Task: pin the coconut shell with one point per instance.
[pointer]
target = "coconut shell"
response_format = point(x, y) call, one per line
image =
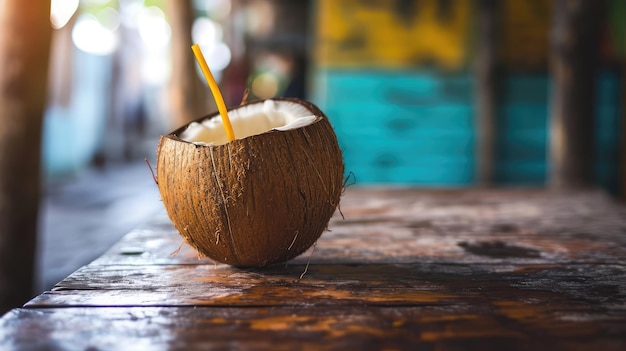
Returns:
point(254, 201)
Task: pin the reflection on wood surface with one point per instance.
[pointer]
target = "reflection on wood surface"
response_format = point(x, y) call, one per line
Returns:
point(514, 269)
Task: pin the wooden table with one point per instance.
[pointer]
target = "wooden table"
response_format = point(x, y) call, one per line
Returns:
point(405, 269)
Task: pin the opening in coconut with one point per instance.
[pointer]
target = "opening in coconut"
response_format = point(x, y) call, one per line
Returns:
point(247, 120)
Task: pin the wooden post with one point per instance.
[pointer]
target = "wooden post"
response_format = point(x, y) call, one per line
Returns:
point(25, 33)
point(486, 93)
point(574, 60)
point(189, 96)
point(622, 135)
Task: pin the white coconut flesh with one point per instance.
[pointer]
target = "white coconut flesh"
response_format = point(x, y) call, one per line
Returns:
point(248, 120)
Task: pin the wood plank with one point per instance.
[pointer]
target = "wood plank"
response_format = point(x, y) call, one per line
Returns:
point(422, 241)
point(405, 269)
point(507, 325)
point(396, 226)
point(562, 286)
point(394, 248)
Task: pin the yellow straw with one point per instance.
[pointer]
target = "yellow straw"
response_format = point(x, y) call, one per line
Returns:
point(215, 89)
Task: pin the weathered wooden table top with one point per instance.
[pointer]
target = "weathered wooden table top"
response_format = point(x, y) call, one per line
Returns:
point(405, 269)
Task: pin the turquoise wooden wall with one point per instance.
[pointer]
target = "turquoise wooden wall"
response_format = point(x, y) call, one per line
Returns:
point(396, 127)
point(522, 131)
point(417, 127)
point(607, 131)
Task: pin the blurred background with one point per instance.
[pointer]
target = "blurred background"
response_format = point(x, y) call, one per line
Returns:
point(397, 78)
point(425, 93)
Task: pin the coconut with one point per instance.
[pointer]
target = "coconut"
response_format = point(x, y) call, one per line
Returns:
point(260, 199)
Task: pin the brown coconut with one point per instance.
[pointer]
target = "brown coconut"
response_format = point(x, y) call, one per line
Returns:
point(254, 201)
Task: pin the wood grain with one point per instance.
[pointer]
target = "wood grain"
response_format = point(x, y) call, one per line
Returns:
point(399, 226)
point(405, 269)
point(325, 284)
point(511, 325)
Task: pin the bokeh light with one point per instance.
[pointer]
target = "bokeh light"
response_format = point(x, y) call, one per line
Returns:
point(209, 36)
point(91, 36)
point(153, 28)
point(130, 10)
point(61, 11)
point(265, 85)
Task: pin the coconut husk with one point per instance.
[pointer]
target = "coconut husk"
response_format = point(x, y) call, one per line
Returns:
point(254, 201)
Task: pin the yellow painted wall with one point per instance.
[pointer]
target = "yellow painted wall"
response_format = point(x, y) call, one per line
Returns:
point(353, 33)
